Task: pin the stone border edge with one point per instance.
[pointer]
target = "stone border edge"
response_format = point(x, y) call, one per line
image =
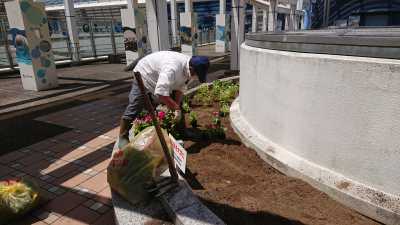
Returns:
point(373, 203)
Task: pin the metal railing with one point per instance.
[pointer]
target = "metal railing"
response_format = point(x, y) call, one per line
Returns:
point(97, 37)
point(205, 36)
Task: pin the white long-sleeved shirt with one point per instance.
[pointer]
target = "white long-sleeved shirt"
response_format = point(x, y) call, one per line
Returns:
point(165, 71)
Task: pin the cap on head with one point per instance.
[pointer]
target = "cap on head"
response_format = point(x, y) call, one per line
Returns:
point(200, 65)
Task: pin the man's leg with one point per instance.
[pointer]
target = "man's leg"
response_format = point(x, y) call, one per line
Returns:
point(132, 111)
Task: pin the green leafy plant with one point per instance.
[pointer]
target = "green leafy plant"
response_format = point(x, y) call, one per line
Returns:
point(224, 91)
point(203, 95)
point(224, 110)
point(193, 119)
point(215, 130)
point(228, 93)
point(216, 89)
point(185, 105)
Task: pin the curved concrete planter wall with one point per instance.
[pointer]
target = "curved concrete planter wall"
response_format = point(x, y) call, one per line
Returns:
point(333, 121)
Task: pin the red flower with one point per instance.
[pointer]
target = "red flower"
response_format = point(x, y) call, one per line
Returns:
point(161, 115)
point(215, 113)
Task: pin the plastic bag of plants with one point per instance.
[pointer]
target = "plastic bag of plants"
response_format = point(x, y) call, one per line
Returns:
point(137, 164)
point(17, 197)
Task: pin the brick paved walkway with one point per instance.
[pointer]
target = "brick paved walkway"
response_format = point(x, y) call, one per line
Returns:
point(71, 168)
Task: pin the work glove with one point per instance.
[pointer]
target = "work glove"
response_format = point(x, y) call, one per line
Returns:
point(177, 115)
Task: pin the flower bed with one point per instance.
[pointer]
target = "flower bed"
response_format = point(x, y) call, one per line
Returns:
point(220, 94)
point(241, 188)
point(238, 186)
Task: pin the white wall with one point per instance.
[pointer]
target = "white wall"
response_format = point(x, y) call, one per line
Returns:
point(341, 113)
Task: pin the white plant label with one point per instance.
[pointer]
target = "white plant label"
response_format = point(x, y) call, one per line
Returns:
point(180, 154)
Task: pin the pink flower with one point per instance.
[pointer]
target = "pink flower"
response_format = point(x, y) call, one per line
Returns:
point(215, 113)
point(161, 115)
point(147, 119)
point(137, 121)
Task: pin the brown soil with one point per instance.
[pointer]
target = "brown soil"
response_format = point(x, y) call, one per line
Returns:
point(242, 189)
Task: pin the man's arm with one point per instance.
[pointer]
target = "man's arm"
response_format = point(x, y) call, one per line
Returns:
point(169, 102)
point(178, 97)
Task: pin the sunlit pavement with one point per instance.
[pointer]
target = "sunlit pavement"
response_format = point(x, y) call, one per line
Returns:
point(70, 165)
point(70, 168)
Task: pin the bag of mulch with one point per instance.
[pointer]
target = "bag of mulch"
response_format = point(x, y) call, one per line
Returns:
point(137, 164)
point(17, 197)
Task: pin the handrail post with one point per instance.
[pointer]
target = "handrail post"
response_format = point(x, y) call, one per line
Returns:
point(7, 45)
point(92, 42)
point(114, 47)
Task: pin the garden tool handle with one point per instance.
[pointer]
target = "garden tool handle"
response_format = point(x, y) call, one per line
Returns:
point(149, 106)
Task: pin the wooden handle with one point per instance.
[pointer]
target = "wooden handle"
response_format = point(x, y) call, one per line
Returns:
point(149, 107)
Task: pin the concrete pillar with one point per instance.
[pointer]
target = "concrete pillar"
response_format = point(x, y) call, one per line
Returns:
point(72, 28)
point(287, 22)
point(254, 19)
point(188, 6)
point(133, 19)
point(292, 18)
point(221, 21)
point(188, 32)
point(237, 31)
point(188, 29)
point(174, 24)
point(157, 24)
point(29, 36)
point(222, 6)
point(272, 15)
point(265, 20)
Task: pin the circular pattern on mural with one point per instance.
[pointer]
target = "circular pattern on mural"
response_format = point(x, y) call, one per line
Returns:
point(25, 6)
point(44, 46)
point(35, 53)
point(45, 62)
point(41, 73)
point(44, 81)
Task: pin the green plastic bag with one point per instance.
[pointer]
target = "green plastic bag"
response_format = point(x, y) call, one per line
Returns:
point(17, 197)
point(139, 162)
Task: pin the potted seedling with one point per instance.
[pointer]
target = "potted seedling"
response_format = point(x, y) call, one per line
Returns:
point(224, 110)
point(193, 119)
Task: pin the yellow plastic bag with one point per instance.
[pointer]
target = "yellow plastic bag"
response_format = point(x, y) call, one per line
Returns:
point(16, 199)
point(138, 163)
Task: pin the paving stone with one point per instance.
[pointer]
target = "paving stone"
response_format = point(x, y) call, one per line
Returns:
point(4, 170)
point(84, 192)
point(96, 183)
point(96, 206)
point(10, 157)
point(31, 159)
point(45, 216)
point(89, 203)
point(73, 180)
point(47, 178)
point(64, 203)
point(25, 150)
point(79, 215)
point(90, 172)
point(104, 196)
point(16, 165)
